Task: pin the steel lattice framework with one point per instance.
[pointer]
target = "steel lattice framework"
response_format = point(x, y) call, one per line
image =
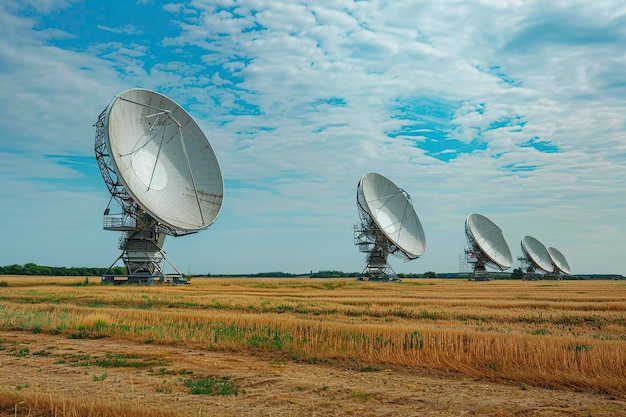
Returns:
point(142, 235)
point(377, 247)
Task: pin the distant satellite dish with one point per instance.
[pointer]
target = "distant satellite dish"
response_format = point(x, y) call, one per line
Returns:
point(160, 168)
point(487, 246)
point(535, 255)
point(388, 225)
point(559, 261)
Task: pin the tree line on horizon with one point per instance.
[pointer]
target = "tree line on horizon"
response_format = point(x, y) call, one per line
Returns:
point(40, 270)
point(57, 271)
point(319, 274)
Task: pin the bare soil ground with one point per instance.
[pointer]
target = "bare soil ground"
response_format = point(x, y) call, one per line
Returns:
point(55, 367)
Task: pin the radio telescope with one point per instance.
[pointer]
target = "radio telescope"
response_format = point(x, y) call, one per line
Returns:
point(486, 247)
point(559, 262)
point(388, 225)
point(535, 257)
point(162, 172)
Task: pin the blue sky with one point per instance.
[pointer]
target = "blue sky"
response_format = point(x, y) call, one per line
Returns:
point(514, 110)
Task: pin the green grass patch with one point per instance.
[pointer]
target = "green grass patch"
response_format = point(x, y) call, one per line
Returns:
point(112, 360)
point(22, 353)
point(101, 377)
point(121, 360)
point(313, 360)
point(370, 368)
point(212, 386)
point(269, 337)
point(414, 341)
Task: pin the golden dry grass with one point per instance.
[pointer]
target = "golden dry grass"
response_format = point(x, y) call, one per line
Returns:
point(16, 403)
point(563, 335)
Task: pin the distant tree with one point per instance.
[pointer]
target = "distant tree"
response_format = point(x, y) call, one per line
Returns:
point(31, 269)
point(14, 269)
point(517, 274)
point(119, 270)
point(430, 274)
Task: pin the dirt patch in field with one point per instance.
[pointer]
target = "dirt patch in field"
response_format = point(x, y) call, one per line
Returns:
point(101, 372)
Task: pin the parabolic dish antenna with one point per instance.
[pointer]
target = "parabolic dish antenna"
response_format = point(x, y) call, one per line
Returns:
point(160, 168)
point(535, 255)
point(487, 246)
point(559, 261)
point(388, 225)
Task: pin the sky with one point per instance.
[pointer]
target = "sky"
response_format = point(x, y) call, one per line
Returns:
point(512, 109)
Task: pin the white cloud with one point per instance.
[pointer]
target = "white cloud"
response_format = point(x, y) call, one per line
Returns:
point(45, 6)
point(174, 7)
point(126, 29)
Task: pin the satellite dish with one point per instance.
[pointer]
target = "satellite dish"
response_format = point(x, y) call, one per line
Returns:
point(160, 168)
point(487, 246)
point(535, 256)
point(388, 225)
point(559, 261)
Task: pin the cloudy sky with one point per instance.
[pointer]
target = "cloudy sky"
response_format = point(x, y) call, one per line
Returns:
point(512, 109)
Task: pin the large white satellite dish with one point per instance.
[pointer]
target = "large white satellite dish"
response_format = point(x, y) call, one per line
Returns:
point(388, 225)
point(535, 256)
point(559, 261)
point(160, 168)
point(487, 246)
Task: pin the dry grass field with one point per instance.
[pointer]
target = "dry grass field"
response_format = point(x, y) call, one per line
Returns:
point(289, 347)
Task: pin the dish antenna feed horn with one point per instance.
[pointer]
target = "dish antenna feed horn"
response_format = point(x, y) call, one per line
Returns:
point(486, 247)
point(162, 172)
point(388, 225)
